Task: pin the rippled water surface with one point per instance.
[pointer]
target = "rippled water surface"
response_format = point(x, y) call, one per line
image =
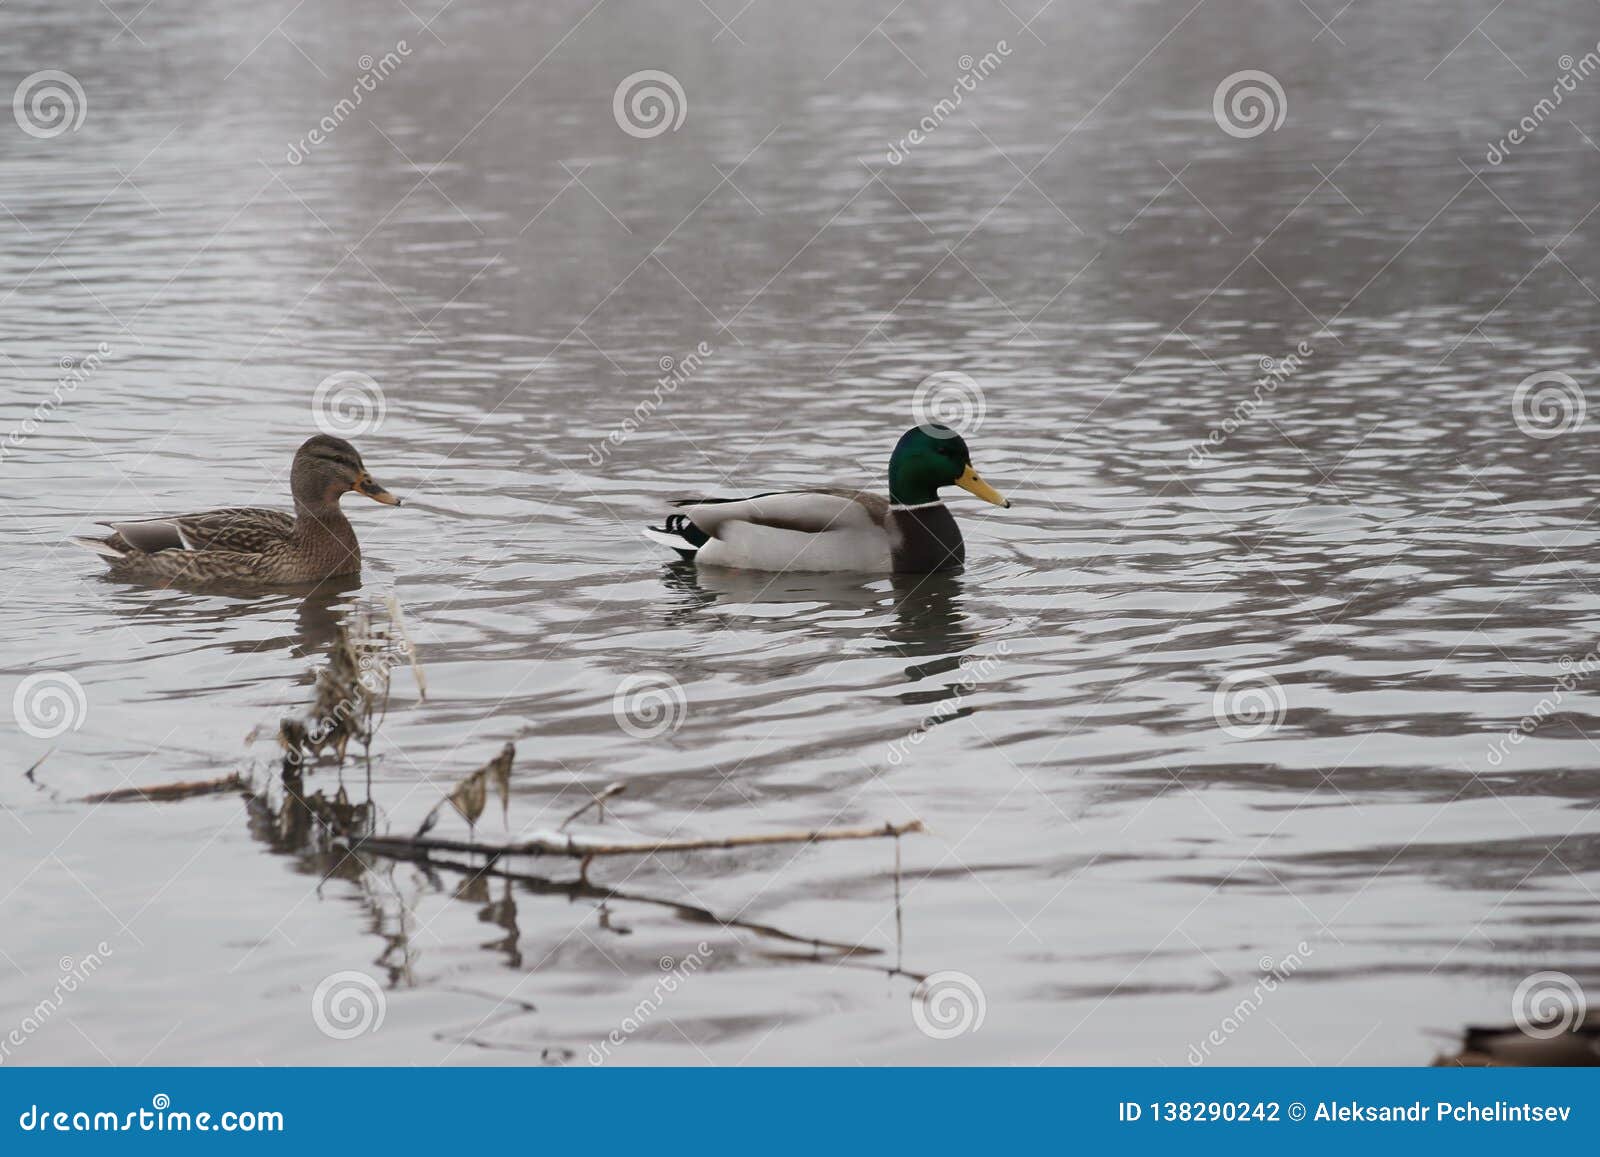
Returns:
point(1373, 555)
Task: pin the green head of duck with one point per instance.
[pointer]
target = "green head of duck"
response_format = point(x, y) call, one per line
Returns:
point(928, 457)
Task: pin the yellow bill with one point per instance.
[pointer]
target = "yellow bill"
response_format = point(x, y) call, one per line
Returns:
point(972, 484)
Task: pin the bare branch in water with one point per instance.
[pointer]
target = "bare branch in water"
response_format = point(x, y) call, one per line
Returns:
point(582, 847)
point(351, 697)
point(539, 885)
point(599, 800)
point(166, 792)
point(398, 622)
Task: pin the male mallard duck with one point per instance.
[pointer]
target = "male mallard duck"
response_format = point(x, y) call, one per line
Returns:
point(837, 528)
point(249, 544)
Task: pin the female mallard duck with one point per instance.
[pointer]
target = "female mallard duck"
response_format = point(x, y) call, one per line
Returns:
point(837, 528)
point(249, 544)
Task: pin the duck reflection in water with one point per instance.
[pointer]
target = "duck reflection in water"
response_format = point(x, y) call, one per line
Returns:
point(929, 616)
point(930, 622)
point(319, 609)
point(697, 589)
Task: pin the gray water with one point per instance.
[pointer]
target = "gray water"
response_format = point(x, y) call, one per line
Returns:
point(1397, 567)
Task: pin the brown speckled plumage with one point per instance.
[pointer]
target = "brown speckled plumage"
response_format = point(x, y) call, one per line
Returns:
point(249, 544)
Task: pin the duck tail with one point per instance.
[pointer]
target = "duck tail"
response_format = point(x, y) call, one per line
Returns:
point(678, 533)
point(100, 546)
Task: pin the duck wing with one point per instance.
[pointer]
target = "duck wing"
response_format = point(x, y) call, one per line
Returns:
point(238, 529)
point(807, 511)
